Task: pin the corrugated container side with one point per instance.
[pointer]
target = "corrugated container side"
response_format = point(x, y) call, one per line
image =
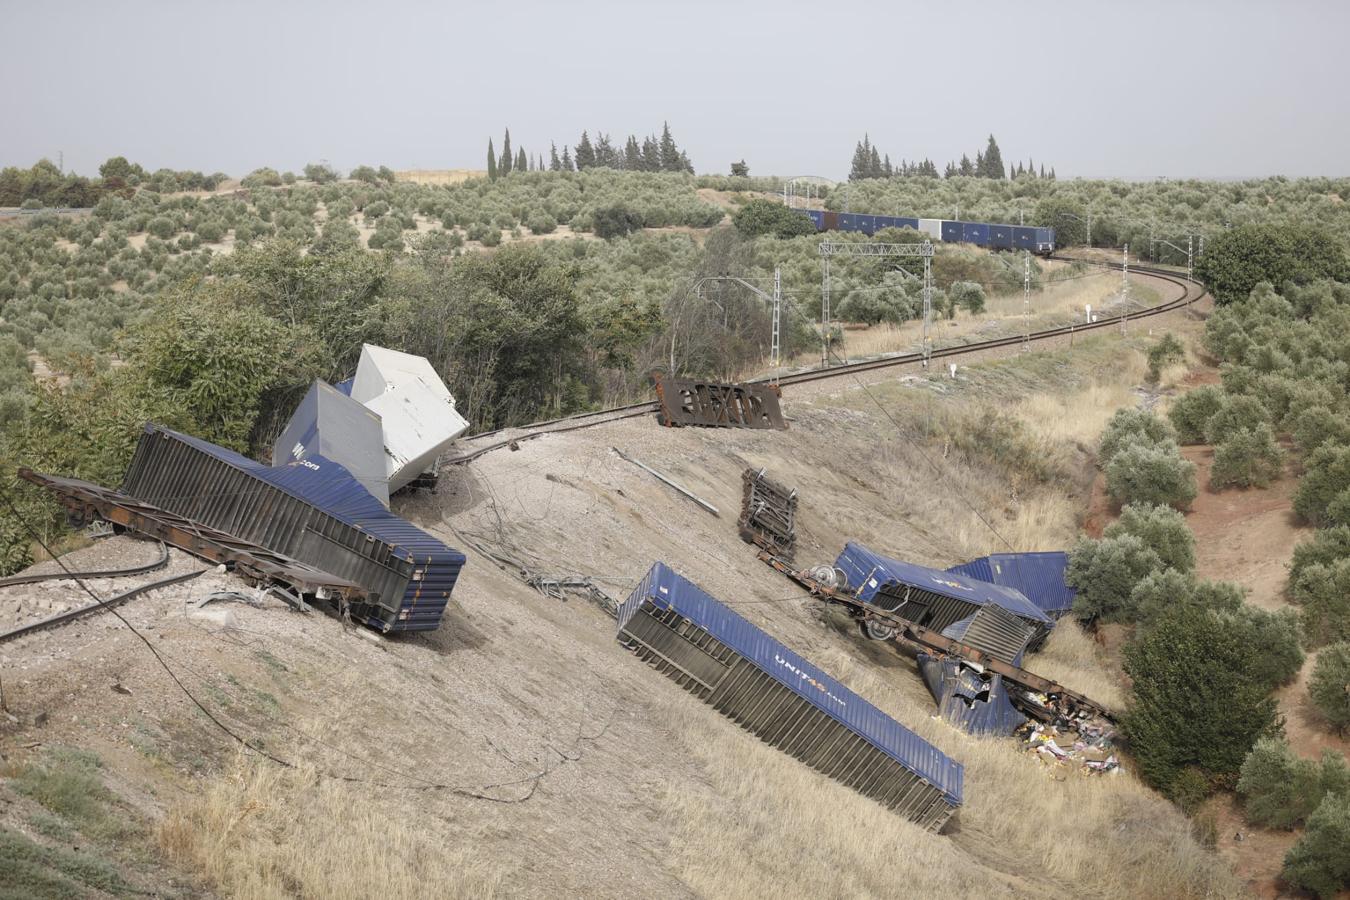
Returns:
point(906, 222)
point(1001, 236)
point(831, 220)
point(817, 218)
point(951, 231)
point(785, 700)
point(848, 222)
point(975, 233)
point(1024, 237)
point(1037, 576)
point(864, 223)
point(312, 511)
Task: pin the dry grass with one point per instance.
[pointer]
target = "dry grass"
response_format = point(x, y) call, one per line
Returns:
point(438, 176)
point(1075, 661)
point(765, 825)
point(265, 832)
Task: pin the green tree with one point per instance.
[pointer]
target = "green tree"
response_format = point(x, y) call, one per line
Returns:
point(1156, 474)
point(1320, 861)
point(522, 164)
point(492, 162)
point(1162, 529)
point(1178, 719)
point(1237, 259)
point(670, 151)
point(1191, 412)
point(508, 161)
point(1247, 459)
point(760, 217)
point(992, 162)
point(968, 295)
point(1127, 426)
point(615, 221)
point(1163, 590)
point(1105, 573)
point(1329, 686)
point(740, 170)
point(1280, 790)
point(320, 173)
point(1326, 547)
point(1165, 352)
point(554, 162)
point(1322, 589)
point(585, 155)
point(1238, 413)
point(1325, 481)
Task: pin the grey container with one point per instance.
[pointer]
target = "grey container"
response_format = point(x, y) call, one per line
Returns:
point(784, 700)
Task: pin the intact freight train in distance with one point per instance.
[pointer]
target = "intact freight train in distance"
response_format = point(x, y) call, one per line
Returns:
point(981, 234)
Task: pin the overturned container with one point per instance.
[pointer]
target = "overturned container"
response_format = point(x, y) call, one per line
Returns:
point(931, 597)
point(1037, 576)
point(311, 510)
point(784, 700)
point(329, 423)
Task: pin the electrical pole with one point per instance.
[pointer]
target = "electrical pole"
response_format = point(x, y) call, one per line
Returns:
point(825, 316)
point(1026, 300)
point(927, 305)
point(775, 346)
point(1190, 257)
point(1125, 288)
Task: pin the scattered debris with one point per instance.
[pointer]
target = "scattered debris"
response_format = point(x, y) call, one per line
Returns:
point(232, 596)
point(768, 514)
point(1080, 743)
point(682, 402)
point(664, 480)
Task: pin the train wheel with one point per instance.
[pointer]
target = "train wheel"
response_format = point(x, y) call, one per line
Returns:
point(876, 630)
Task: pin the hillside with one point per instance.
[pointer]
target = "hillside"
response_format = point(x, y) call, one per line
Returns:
point(519, 751)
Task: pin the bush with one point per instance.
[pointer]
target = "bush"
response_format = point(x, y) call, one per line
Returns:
point(375, 210)
point(161, 227)
point(1162, 529)
point(1247, 459)
point(1154, 474)
point(1129, 426)
point(1237, 259)
point(1238, 413)
point(1161, 591)
point(264, 177)
point(1279, 637)
point(769, 217)
point(1318, 425)
point(1105, 573)
point(210, 231)
point(542, 223)
point(1329, 685)
point(967, 295)
point(1325, 478)
point(1320, 861)
point(1326, 547)
point(1164, 353)
point(1191, 412)
point(1280, 790)
point(1196, 702)
point(614, 221)
point(1323, 592)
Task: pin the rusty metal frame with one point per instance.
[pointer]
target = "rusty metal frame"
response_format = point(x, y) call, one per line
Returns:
point(685, 402)
point(768, 514)
point(86, 501)
point(917, 637)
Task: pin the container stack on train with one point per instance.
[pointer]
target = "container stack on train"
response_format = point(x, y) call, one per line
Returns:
point(981, 234)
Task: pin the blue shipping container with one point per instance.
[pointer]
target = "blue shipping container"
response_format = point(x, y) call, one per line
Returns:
point(817, 218)
point(664, 591)
point(907, 223)
point(1001, 237)
point(1037, 576)
point(951, 231)
point(332, 522)
point(870, 574)
point(864, 223)
point(848, 222)
point(1045, 239)
point(976, 233)
point(1024, 237)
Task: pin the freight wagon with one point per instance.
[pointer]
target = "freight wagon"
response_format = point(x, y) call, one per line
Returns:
point(784, 700)
point(999, 237)
point(311, 510)
point(929, 597)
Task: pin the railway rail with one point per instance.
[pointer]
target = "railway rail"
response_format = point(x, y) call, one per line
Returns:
point(1191, 291)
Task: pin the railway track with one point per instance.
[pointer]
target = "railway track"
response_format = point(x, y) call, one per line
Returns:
point(1190, 292)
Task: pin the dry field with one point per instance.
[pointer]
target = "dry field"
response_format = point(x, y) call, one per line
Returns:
point(439, 176)
point(644, 791)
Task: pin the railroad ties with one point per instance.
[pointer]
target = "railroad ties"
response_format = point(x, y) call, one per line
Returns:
point(768, 514)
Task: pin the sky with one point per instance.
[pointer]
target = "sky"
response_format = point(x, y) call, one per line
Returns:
point(1123, 89)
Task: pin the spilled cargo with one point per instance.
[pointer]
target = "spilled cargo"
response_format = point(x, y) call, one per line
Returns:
point(311, 510)
point(784, 700)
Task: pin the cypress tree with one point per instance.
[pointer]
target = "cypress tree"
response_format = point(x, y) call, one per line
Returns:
point(651, 155)
point(492, 162)
point(859, 169)
point(554, 163)
point(585, 153)
point(1052, 173)
point(567, 159)
point(505, 164)
point(670, 153)
point(605, 155)
point(965, 168)
point(522, 164)
point(685, 164)
point(993, 161)
point(951, 170)
point(886, 167)
point(632, 155)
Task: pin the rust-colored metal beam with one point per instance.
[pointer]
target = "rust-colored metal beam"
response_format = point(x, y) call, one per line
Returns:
point(918, 637)
point(682, 402)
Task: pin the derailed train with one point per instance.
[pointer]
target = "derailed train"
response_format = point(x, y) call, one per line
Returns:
point(981, 234)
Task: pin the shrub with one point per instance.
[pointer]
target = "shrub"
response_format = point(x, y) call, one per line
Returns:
point(491, 237)
point(1320, 861)
point(1247, 459)
point(1329, 685)
point(1128, 426)
point(1196, 702)
point(210, 231)
point(615, 221)
point(1318, 425)
point(1323, 590)
point(1164, 353)
point(1162, 590)
point(1155, 474)
point(1326, 476)
point(1237, 259)
point(1191, 412)
point(1326, 547)
point(1162, 529)
point(769, 217)
point(542, 223)
point(1236, 414)
point(1280, 790)
point(968, 295)
point(319, 173)
point(1279, 636)
point(161, 227)
point(263, 177)
point(1105, 573)
point(375, 210)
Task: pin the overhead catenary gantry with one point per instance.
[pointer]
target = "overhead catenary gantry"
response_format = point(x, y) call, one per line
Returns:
point(923, 251)
point(775, 300)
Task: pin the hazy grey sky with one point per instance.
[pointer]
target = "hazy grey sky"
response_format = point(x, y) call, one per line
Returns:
point(1230, 88)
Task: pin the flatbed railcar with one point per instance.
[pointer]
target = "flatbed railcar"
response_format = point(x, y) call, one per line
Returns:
point(982, 234)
